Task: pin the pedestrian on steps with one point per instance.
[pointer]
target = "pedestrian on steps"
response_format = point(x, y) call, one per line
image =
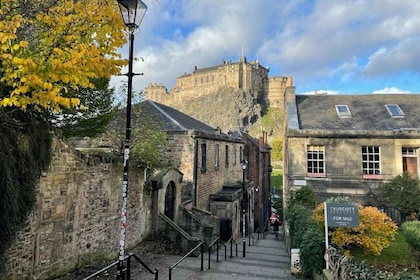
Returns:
point(276, 227)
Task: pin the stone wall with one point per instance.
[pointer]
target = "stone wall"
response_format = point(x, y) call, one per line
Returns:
point(184, 152)
point(77, 215)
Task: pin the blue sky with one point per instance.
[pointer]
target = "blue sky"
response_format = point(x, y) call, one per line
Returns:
point(338, 46)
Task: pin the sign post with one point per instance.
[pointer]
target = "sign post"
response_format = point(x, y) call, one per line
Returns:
point(339, 215)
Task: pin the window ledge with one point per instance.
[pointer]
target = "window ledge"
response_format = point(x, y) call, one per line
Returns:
point(372, 177)
point(316, 175)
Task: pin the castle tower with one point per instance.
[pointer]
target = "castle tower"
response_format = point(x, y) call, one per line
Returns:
point(275, 90)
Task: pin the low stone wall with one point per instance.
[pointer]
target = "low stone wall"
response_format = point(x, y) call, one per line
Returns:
point(175, 233)
point(77, 215)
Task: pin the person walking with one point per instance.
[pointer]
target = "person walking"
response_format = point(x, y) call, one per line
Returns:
point(276, 227)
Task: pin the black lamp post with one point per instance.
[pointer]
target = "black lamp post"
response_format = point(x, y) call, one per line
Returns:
point(244, 165)
point(132, 12)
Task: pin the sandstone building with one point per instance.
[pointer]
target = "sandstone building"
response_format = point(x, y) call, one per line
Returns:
point(345, 145)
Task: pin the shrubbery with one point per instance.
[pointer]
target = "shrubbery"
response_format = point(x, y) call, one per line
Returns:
point(304, 232)
point(411, 231)
point(374, 233)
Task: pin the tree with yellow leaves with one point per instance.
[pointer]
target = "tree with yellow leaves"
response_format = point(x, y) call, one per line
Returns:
point(373, 234)
point(51, 51)
point(50, 48)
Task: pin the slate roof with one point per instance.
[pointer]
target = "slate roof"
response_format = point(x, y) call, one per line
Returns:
point(368, 112)
point(174, 120)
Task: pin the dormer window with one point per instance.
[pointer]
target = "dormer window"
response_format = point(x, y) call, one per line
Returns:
point(394, 110)
point(343, 111)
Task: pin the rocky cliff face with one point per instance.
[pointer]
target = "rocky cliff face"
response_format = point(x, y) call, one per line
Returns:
point(227, 108)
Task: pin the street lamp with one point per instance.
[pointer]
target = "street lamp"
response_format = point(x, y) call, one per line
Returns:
point(132, 12)
point(244, 165)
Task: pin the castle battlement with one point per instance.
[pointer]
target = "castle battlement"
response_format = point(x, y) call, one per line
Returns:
point(237, 75)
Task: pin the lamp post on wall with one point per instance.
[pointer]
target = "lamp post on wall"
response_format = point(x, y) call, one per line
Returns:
point(244, 165)
point(132, 12)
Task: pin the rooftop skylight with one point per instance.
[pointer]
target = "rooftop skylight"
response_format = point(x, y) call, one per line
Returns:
point(394, 110)
point(343, 111)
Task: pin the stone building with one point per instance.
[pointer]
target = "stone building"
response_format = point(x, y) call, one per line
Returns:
point(259, 171)
point(210, 163)
point(345, 145)
point(246, 75)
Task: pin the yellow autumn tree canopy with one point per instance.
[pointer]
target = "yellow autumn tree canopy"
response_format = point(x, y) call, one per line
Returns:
point(51, 48)
point(374, 233)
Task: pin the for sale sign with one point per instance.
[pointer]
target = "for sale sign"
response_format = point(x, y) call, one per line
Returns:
point(342, 215)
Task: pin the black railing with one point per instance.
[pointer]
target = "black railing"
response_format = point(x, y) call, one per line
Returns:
point(231, 241)
point(216, 241)
point(261, 232)
point(201, 246)
point(127, 270)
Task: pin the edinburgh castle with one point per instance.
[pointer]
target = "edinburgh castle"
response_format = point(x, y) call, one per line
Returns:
point(244, 75)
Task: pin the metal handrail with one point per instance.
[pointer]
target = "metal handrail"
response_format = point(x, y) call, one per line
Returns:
point(231, 241)
point(216, 241)
point(128, 269)
point(261, 231)
point(187, 255)
point(155, 272)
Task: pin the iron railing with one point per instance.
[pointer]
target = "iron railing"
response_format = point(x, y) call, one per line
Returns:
point(201, 246)
point(262, 232)
point(231, 241)
point(127, 270)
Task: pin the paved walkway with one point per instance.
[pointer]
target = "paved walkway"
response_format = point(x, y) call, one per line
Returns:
point(266, 259)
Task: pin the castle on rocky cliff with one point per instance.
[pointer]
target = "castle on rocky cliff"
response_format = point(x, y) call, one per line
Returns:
point(238, 75)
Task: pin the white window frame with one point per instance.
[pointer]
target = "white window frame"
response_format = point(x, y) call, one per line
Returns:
point(341, 114)
point(315, 161)
point(216, 156)
point(371, 162)
point(400, 113)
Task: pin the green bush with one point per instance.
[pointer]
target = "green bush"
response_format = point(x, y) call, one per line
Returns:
point(305, 196)
point(363, 271)
point(311, 250)
point(411, 231)
point(299, 219)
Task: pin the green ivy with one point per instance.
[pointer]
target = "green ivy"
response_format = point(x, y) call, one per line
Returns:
point(25, 144)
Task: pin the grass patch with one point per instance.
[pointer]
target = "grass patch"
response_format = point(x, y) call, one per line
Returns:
point(277, 179)
point(397, 252)
point(395, 258)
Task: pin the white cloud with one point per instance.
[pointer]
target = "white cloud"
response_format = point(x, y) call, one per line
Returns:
point(319, 92)
point(390, 90)
point(318, 42)
point(403, 56)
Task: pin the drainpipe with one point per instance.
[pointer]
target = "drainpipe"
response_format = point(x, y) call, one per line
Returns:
point(195, 172)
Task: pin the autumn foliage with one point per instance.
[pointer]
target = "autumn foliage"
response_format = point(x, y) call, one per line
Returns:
point(50, 49)
point(374, 233)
